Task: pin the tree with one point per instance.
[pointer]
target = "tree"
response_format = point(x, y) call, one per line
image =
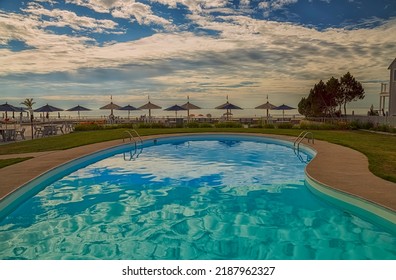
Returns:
point(320, 101)
point(350, 90)
point(333, 87)
point(323, 99)
point(28, 102)
point(304, 107)
point(317, 98)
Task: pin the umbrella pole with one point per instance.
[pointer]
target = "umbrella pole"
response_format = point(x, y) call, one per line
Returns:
point(149, 115)
point(267, 117)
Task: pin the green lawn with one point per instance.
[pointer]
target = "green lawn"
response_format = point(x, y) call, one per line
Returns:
point(380, 149)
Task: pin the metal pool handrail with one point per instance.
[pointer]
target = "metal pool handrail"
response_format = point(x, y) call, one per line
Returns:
point(133, 138)
point(301, 137)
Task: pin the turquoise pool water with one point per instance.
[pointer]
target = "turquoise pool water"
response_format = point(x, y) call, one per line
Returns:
point(207, 197)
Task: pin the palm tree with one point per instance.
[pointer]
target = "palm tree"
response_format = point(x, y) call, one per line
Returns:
point(29, 104)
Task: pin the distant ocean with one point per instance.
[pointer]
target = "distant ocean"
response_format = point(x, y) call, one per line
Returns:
point(215, 113)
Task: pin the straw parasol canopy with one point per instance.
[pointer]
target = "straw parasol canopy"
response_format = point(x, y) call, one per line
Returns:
point(111, 106)
point(266, 106)
point(149, 106)
point(78, 108)
point(189, 106)
point(176, 108)
point(128, 108)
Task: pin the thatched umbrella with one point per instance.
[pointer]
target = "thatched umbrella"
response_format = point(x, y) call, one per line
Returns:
point(149, 106)
point(111, 106)
point(266, 106)
point(189, 106)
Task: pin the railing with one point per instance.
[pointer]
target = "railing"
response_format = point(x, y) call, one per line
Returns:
point(133, 138)
point(133, 155)
point(136, 152)
point(301, 137)
point(298, 140)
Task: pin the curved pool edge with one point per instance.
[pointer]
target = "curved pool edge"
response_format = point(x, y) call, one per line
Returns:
point(353, 204)
point(23, 192)
point(81, 153)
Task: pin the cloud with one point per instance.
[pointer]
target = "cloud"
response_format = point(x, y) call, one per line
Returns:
point(142, 13)
point(238, 55)
point(100, 6)
point(64, 18)
point(126, 9)
point(250, 38)
point(51, 2)
point(269, 6)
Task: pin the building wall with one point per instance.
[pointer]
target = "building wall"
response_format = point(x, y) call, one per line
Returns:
point(392, 89)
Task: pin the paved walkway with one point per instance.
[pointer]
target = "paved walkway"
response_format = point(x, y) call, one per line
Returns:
point(339, 167)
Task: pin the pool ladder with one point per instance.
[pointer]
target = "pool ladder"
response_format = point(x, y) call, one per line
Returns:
point(134, 138)
point(304, 134)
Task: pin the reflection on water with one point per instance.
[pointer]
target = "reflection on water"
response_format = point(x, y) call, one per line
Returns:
point(200, 200)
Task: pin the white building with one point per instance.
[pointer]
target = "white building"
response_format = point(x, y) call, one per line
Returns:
point(392, 89)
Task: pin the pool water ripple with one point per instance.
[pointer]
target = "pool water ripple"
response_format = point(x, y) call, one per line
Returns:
point(207, 199)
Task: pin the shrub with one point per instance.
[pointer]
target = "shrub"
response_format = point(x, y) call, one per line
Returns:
point(356, 124)
point(317, 126)
point(367, 125)
point(144, 125)
point(152, 125)
point(269, 125)
point(228, 125)
point(342, 125)
point(205, 125)
point(192, 125)
point(385, 128)
point(126, 125)
point(285, 125)
point(88, 127)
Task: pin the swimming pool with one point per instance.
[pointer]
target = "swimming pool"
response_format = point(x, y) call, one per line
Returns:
point(192, 197)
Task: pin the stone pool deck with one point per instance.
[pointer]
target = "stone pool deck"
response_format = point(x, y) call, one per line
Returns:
point(335, 166)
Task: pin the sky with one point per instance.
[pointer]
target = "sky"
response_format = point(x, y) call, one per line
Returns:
point(83, 51)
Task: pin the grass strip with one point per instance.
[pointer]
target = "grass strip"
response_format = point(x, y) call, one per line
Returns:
point(11, 161)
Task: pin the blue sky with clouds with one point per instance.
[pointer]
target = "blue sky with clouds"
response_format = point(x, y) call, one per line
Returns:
point(82, 51)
